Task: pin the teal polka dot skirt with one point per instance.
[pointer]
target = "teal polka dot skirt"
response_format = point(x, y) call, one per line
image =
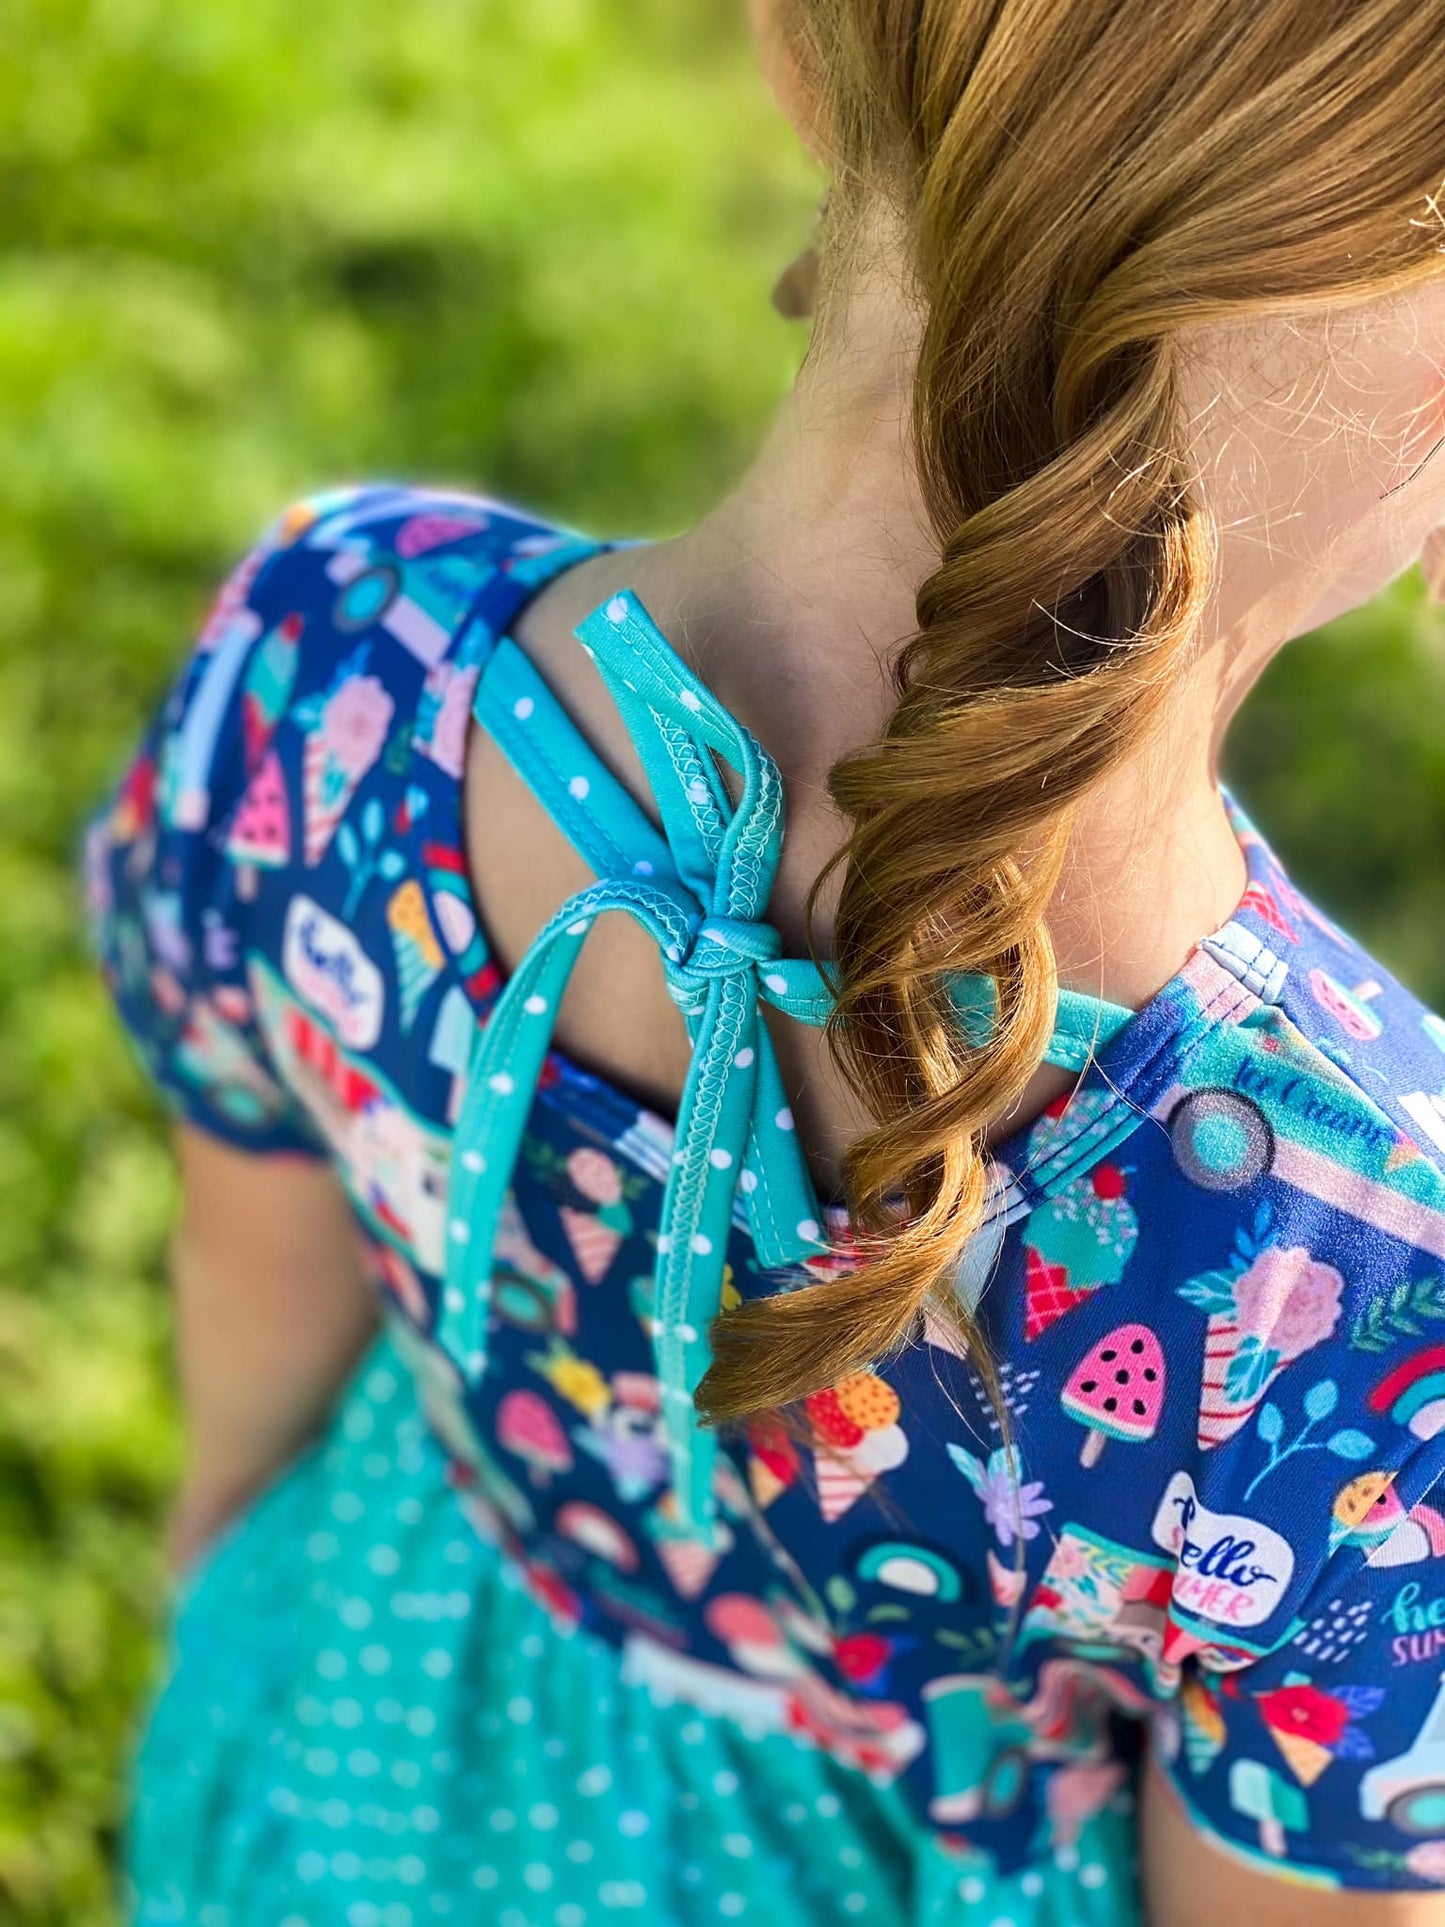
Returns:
point(400, 1734)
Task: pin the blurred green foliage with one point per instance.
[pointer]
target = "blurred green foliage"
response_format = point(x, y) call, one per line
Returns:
point(252, 247)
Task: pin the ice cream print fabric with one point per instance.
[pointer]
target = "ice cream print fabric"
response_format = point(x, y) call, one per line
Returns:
point(892, 1651)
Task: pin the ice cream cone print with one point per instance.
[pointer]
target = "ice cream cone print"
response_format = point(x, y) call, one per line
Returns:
point(337, 753)
point(594, 1244)
point(1306, 1758)
point(1048, 1294)
point(326, 790)
point(1220, 1415)
point(764, 1482)
point(840, 1487)
point(419, 956)
point(687, 1564)
point(868, 1400)
point(1076, 1241)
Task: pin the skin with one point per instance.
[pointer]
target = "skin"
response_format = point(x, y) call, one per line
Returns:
point(788, 598)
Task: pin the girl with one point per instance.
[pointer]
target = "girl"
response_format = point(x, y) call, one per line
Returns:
point(953, 1431)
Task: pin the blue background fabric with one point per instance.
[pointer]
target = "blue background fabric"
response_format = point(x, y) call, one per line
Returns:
point(1213, 1280)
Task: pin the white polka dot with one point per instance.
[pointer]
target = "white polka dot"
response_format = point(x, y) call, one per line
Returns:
point(808, 1228)
point(828, 1805)
point(519, 1709)
point(347, 1507)
point(406, 1773)
point(579, 787)
point(1093, 1875)
point(331, 1665)
point(1031, 1883)
point(643, 867)
point(580, 928)
point(312, 1866)
point(522, 708)
point(854, 1903)
point(693, 1733)
point(731, 1905)
point(632, 1824)
point(411, 1870)
point(537, 1876)
point(748, 1181)
point(569, 1914)
point(719, 1159)
point(320, 1761)
point(362, 1763)
point(744, 1057)
point(784, 1119)
point(454, 1301)
point(437, 1664)
point(595, 1780)
point(795, 1814)
point(347, 1713)
point(502, 1819)
point(701, 1245)
point(689, 700)
point(346, 1866)
point(737, 1844)
point(1066, 1859)
point(776, 981)
point(374, 1660)
point(580, 1851)
point(460, 1230)
point(617, 609)
point(535, 1005)
point(485, 1877)
point(384, 1561)
point(971, 1889)
point(664, 1241)
point(473, 1161)
point(502, 1083)
point(725, 1782)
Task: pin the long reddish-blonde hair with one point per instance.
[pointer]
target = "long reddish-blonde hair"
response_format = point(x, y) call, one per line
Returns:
point(1081, 181)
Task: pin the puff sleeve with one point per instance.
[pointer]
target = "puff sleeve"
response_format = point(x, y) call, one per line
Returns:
point(1323, 1761)
point(171, 859)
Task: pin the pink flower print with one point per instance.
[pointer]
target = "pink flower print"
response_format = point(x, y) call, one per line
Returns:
point(1287, 1300)
point(449, 729)
point(354, 723)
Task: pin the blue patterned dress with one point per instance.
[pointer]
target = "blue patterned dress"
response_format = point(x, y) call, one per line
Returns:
point(517, 1641)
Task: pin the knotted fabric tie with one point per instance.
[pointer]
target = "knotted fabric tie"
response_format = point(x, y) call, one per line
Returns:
point(734, 1133)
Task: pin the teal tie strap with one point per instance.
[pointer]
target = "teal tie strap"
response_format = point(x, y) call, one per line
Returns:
point(700, 892)
point(734, 1129)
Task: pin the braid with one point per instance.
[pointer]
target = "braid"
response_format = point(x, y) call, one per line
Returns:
point(1072, 205)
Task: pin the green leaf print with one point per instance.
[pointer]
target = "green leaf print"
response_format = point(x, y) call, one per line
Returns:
point(1399, 1313)
point(1249, 1370)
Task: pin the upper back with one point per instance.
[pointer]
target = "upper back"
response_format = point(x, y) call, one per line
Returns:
point(1213, 1279)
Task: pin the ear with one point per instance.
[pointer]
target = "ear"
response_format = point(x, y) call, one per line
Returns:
point(774, 34)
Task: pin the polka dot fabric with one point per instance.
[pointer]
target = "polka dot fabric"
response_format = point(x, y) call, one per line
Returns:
point(522, 1641)
point(367, 1710)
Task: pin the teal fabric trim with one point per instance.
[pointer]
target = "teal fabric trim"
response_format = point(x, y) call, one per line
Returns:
point(699, 888)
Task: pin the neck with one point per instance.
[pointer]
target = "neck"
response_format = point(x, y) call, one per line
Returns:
point(790, 599)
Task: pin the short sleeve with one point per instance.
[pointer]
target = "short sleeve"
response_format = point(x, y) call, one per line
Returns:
point(166, 909)
point(1323, 1761)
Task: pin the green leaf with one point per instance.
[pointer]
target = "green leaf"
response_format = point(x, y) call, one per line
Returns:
point(1211, 1291)
point(1249, 1371)
point(1350, 1444)
point(839, 1594)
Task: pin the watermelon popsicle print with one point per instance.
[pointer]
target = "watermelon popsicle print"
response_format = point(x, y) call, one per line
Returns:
point(1076, 1240)
point(1116, 1390)
point(260, 834)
